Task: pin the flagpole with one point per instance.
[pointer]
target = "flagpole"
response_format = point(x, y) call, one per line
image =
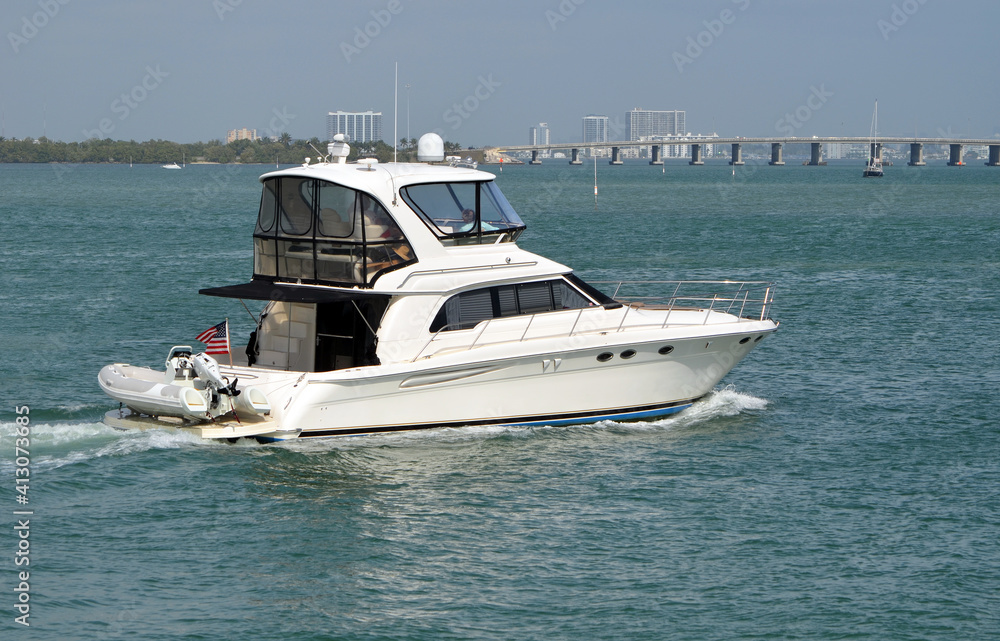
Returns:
point(229, 347)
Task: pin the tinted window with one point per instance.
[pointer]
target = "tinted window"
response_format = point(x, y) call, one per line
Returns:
point(295, 206)
point(268, 200)
point(462, 209)
point(465, 310)
point(336, 215)
point(318, 232)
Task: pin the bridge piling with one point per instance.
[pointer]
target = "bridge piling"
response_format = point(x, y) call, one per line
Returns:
point(576, 157)
point(994, 160)
point(654, 153)
point(916, 155)
point(737, 154)
point(955, 155)
point(534, 158)
point(616, 156)
point(696, 155)
point(816, 158)
point(776, 154)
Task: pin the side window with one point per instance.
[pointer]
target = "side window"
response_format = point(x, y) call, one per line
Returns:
point(295, 206)
point(379, 225)
point(466, 310)
point(336, 216)
point(534, 297)
point(565, 297)
point(268, 200)
point(315, 231)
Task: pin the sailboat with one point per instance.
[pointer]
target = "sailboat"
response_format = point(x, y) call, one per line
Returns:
point(873, 169)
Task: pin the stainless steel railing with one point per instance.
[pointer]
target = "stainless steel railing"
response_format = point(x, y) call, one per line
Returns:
point(743, 301)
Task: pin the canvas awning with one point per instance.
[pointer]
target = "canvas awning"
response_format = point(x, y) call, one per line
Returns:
point(265, 290)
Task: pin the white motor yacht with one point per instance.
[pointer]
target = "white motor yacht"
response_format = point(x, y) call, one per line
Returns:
point(395, 297)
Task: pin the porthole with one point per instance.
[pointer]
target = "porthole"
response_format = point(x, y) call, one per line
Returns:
point(757, 340)
point(604, 357)
point(629, 353)
point(745, 340)
point(666, 349)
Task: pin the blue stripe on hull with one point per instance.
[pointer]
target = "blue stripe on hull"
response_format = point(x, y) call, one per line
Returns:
point(556, 420)
point(619, 417)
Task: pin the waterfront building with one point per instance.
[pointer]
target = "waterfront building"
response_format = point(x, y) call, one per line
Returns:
point(241, 134)
point(681, 151)
point(357, 126)
point(595, 129)
point(539, 135)
point(642, 124)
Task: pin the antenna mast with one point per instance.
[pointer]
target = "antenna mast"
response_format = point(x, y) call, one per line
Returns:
point(395, 111)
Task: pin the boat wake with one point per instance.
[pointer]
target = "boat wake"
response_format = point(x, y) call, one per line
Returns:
point(721, 403)
point(56, 444)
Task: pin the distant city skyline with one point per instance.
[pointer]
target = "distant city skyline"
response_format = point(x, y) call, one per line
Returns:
point(72, 71)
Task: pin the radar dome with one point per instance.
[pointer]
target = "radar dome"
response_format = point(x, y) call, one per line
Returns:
point(430, 148)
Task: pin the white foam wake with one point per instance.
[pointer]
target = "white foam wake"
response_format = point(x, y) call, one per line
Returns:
point(54, 445)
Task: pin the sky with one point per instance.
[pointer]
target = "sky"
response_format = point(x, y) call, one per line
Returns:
point(483, 72)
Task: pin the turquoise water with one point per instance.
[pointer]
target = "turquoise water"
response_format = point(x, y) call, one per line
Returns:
point(842, 483)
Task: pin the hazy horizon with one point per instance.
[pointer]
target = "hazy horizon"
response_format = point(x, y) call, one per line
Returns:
point(482, 73)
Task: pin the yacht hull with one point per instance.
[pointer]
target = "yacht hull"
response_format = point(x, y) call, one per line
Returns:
point(558, 387)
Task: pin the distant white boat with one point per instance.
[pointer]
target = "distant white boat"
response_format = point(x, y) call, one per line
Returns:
point(174, 165)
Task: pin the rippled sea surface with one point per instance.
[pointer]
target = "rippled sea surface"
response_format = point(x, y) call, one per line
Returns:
point(843, 482)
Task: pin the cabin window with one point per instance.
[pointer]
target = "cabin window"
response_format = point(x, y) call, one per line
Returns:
point(337, 211)
point(268, 202)
point(466, 310)
point(464, 212)
point(295, 207)
point(314, 231)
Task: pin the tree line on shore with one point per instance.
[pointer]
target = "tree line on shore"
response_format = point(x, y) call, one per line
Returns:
point(285, 150)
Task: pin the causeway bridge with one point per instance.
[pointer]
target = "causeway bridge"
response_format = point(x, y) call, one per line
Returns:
point(697, 144)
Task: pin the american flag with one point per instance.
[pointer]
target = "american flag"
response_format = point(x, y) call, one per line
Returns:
point(216, 338)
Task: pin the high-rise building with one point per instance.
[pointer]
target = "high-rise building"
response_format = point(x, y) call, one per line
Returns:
point(241, 134)
point(357, 126)
point(595, 129)
point(642, 123)
point(539, 134)
point(654, 125)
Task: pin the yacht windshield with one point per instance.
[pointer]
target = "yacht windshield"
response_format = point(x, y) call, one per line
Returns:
point(464, 211)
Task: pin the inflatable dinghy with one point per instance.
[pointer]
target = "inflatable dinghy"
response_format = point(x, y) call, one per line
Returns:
point(191, 388)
